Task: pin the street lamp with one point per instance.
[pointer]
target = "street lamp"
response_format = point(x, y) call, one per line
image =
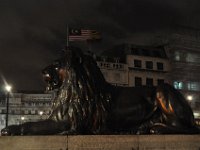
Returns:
point(189, 97)
point(41, 113)
point(22, 119)
point(8, 89)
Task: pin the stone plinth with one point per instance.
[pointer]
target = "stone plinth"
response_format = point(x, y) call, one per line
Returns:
point(101, 142)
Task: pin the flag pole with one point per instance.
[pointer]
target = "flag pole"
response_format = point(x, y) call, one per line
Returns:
point(89, 45)
point(67, 36)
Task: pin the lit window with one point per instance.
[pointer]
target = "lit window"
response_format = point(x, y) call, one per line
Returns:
point(190, 57)
point(178, 85)
point(193, 86)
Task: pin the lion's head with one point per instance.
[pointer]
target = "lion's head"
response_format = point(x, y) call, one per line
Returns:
point(72, 63)
point(53, 75)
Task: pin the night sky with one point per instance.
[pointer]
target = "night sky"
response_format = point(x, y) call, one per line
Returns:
point(32, 32)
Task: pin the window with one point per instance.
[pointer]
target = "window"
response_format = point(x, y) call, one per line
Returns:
point(160, 66)
point(149, 65)
point(178, 85)
point(22, 112)
point(2, 122)
point(149, 82)
point(137, 63)
point(193, 86)
point(138, 81)
point(3, 111)
point(160, 81)
point(192, 57)
point(29, 111)
point(33, 112)
point(26, 112)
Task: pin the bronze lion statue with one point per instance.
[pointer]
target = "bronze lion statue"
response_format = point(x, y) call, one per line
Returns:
point(87, 104)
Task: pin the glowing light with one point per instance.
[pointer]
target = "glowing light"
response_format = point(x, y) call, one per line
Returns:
point(189, 97)
point(41, 112)
point(22, 118)
point(8, 88)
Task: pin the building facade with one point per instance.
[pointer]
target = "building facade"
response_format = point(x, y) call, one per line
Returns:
point(24, 107)
point(184, 54)
point(137, 66)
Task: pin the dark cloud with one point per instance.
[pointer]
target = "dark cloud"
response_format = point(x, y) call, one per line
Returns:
point(33, 32)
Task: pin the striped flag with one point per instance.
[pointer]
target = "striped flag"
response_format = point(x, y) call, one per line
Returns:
point(83, 35)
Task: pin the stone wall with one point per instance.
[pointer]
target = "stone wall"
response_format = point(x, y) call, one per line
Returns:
point(101, 142)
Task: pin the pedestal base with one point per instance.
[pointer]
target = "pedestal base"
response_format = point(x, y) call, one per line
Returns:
point(101, 142)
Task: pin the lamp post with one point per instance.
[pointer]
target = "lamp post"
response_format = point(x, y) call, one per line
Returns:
point(8, 89)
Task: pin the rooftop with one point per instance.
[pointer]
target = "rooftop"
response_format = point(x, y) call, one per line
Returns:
point(120, 51)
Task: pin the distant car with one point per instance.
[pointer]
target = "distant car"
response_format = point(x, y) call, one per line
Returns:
point(11, 130)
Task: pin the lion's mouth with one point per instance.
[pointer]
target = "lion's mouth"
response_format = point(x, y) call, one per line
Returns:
point(46, 77)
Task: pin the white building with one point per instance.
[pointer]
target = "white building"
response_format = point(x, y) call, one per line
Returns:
point(25, 106)
point(130, 65)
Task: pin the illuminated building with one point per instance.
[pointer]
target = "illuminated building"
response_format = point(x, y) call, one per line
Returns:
point(25, 106)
